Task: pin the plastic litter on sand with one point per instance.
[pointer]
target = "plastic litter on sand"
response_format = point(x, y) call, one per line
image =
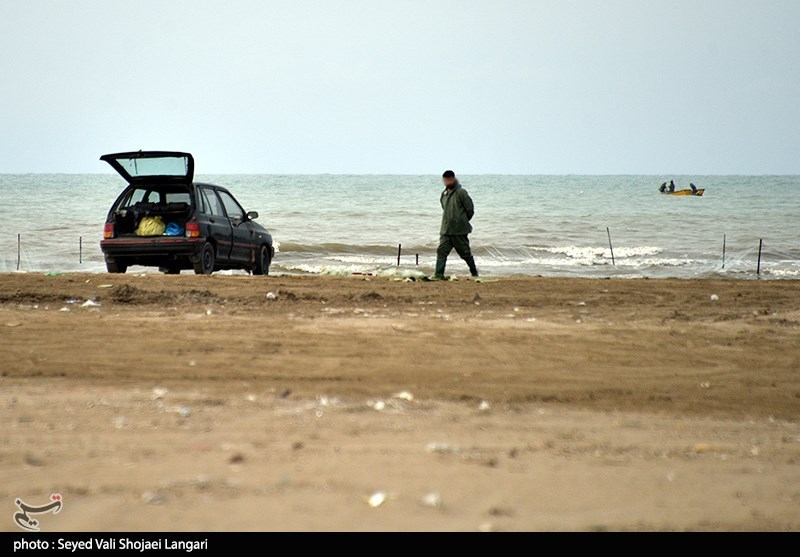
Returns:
point(484, 406)
point(90, 304)
point(714, 298)
point(432, 499)
point(158, 393)
point(404, 395)
point(377, 499)
point(153, 497)
point(272, 296)
point(441, 448)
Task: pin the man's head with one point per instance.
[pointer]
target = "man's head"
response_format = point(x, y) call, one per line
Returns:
point(449, 178)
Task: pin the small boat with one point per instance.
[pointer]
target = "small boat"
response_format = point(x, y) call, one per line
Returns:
point(698, 193)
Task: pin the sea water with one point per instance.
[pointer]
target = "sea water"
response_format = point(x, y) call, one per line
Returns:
point(526, 225)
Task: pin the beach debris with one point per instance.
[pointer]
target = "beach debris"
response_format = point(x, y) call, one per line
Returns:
point(184, 411)
point(13, 323)
point(286, 393)
point(404, 395)
point(484, 406)
point(209, 312)
point(105, 286)
point(272, 296)
point(705, 385)
point(477, 300)
point(432, 499)
point(154, 497)
point(90, 304)
point(377, 499)
point(119, 422)
point(516, 310)
point(701, 448)
point(378, 405)
point(441, 448)
point(578, 321)
point(581, 304)
point(72, 301)
point(64, 309)
point(714, 298)
point(324, 400)
point(236, 458)
point(34, 460)
point(158, 393)
point(500, 511)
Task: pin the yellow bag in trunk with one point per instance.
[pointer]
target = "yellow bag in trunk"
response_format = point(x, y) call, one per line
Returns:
point(151, 226)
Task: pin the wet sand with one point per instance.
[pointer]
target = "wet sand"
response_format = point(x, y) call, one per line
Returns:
point(538, 403)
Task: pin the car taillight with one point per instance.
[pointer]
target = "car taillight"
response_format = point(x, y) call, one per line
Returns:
point(192, 230)
point(108, 230)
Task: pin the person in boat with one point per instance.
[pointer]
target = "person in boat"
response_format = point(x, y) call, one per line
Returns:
point(694, 189)
point(671, 186)
point(663, 188)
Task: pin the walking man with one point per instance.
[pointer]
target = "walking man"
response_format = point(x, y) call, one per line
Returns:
point(457, 211)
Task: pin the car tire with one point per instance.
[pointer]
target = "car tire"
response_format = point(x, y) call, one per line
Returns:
point(116, 266)
point(263, 260)
point(207, 261)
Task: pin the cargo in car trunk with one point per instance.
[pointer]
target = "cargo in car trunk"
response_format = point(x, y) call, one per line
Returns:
point(153, 211)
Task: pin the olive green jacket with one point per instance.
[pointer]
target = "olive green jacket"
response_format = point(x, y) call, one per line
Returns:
point(457, 211)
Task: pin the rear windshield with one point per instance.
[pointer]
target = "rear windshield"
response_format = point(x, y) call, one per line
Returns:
point(155, 166)
point(156, 195)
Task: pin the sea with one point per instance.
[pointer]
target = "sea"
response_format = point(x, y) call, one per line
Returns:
point(523, 225)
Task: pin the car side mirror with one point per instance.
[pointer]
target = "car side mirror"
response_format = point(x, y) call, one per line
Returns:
point(252, 215)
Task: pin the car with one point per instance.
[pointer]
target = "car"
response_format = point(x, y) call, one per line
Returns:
point(164, 219)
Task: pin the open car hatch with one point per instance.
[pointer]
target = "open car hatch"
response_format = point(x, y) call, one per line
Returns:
point(153, 166)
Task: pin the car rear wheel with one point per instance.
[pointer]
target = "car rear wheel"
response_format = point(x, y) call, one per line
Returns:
point(115, 265)
point(208, 259)
point(263, 260)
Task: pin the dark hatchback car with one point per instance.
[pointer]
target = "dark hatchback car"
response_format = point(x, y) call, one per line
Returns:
point(164, 219)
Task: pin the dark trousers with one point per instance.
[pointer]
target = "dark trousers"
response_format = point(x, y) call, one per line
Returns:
point(446, 244)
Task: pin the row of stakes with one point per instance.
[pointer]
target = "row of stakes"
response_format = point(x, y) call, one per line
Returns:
point(611, 249)
point(400, 251)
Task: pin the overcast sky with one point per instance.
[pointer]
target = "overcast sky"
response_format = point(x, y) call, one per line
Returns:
point(405, 86)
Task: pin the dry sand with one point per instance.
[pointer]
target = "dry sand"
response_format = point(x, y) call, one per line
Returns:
point(196, 403)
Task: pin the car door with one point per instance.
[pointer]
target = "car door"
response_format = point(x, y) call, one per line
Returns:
point(218, 223)
point(242, 249)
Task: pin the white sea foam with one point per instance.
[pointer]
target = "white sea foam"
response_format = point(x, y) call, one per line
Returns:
point(591, 253)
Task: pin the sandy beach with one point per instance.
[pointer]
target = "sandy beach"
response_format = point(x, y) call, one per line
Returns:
point(199, 403)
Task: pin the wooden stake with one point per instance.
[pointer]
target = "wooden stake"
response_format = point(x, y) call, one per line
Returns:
point(19, 241)
point(610, 246)
point(724, 238)
point(399, 251)
point(760, 245)
point(80, 250)
point(417, 260)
